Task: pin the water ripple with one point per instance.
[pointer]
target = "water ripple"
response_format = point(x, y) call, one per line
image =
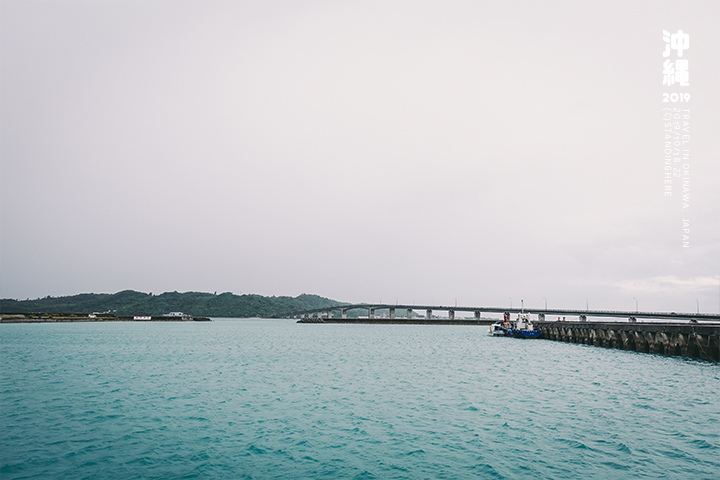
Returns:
point(255, 399)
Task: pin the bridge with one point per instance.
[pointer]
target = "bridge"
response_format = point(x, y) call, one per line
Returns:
point(340, 312)
point(686, 334)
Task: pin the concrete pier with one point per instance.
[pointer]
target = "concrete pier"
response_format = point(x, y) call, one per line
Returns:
point(694, 340)
point(401, 321)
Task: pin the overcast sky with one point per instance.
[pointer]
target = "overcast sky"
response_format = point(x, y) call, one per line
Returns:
point(426, 152)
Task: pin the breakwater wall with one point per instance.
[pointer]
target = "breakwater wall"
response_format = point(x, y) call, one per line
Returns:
point(696, 340)
point(401, 321)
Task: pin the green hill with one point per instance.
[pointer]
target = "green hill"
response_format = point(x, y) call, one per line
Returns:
point(129, 302)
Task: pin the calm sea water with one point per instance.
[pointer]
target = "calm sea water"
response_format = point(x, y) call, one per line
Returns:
point(242, 399)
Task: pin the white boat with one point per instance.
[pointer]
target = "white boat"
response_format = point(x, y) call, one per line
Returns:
point(497, 329)
point(500, 327)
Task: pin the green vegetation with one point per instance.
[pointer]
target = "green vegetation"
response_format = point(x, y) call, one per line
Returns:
point(129, 302)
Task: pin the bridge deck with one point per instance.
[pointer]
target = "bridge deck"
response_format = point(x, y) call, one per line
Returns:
point(620, 314)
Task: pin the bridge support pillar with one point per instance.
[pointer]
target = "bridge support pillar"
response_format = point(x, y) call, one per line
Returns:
point(409, 314)
point(343, 313)
point(392, 313)
point(428, 313)
point(371, 313)
point(451, 314)
point(477, 314)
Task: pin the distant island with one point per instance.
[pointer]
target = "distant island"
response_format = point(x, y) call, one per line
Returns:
point(130, 302)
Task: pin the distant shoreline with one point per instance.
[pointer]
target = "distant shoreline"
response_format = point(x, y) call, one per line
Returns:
point(129, 303)
point(54, 318)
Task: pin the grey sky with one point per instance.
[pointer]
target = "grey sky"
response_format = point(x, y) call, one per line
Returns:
point(412, 151)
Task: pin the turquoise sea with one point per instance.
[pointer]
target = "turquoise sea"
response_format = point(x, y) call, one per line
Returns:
point(257, 399)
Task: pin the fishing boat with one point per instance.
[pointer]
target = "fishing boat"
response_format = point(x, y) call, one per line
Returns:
point(522, 327)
